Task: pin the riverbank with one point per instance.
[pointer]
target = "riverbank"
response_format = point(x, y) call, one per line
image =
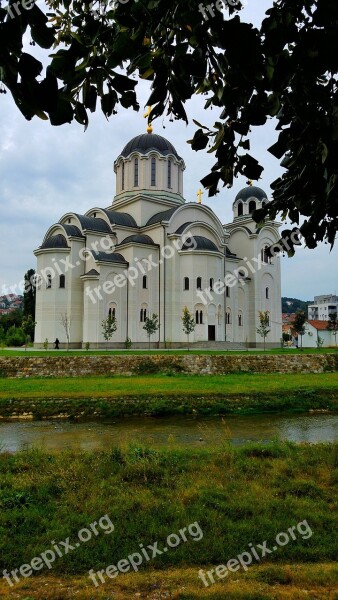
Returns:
point(86, 397)
point(150, 494)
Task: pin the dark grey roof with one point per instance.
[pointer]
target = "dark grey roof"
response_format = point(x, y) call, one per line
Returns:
point(162, 216)
point(138, 238)
point(198, 242)
point(117, 218)
point(105, 257)
point(55, 241)
point(229, 254)
point(93, 224)
point(72, 230)
point(91, 272)
point(183, 227)
point(147, 142)
point(251, 192)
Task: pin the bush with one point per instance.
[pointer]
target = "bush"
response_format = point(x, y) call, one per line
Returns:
point(15, 337)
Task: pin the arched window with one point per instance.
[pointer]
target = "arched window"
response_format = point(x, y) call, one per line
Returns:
point(49, 282)
point(186, 284)
point(267, 293)
point(136, 172)
point(62, 281)
point(143, 315)
point(227, 291)
point(199, 283)
point(228, 317)
point(169, 173)
point(266, 259)
point(240, 320)
point(112, 313)
point(153, 171)
point(252, 206)
point(240, 209)
point(199, 317)
point(123, 176)
point(145, 282)
point(211, 284)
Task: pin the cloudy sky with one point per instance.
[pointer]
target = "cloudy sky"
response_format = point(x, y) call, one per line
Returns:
point(46, 172)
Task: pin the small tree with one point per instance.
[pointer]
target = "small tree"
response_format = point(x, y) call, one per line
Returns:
point(28, 326)
point(45, 344)
point(109, 326)
point(333, 326)
point(299, 325)
point(320, 342)
point(188, 323)
point(66, 322)
point(151, 326)
point(263, 329)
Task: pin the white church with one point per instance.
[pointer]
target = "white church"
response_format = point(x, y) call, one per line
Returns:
point(152, 251)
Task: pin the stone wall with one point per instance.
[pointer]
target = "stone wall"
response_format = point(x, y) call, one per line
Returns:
point(77, 366)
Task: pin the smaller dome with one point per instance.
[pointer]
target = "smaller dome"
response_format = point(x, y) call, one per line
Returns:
point(55, 241)
point(251, 192)
point(198, 242)
point(138, 238)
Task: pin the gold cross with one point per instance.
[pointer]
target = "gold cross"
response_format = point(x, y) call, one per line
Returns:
point(199, 196)
point(146, 116)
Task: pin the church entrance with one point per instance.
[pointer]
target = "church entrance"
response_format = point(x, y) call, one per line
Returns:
point(212, 333)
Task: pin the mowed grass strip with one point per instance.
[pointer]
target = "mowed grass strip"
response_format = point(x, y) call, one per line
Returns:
point(39, 353)
point(264, 582)
point(163, 385)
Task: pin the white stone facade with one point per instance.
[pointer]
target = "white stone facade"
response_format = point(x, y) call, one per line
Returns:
point(153, 252)
point(323, 307)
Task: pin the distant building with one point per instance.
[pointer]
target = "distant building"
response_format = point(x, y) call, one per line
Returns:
point(314, 330)
point(323, 307)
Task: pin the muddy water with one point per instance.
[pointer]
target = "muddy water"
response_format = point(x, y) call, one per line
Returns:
point(183, 431)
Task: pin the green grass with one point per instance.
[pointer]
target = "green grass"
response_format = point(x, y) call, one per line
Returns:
point(191, 385)
point(39, 353)
point(150, 494)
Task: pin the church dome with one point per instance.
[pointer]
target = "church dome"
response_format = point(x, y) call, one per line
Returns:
point(147, 142)
point(251, 192)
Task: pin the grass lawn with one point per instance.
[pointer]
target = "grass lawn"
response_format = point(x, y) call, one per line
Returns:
point(149, 495)
point(39, 353)
point(152, 385)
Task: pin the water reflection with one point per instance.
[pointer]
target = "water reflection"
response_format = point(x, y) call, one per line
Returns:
point(182, 431)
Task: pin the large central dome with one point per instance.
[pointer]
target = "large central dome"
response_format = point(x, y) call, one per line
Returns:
point(147, 142)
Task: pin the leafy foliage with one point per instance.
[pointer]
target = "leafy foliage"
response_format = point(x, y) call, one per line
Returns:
point(264, 325)
point(286, 70)
point(188, 323)
point(109, 326)
point(151, 325)
point(299, 324)
point(333, 325)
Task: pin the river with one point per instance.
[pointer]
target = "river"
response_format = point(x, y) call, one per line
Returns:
point(182, 431)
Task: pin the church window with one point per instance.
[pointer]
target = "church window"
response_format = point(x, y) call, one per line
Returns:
point(186, 284)
point(240, 320)
point(143, 315)
point(153, 171)
point(252, 206)
point(267, 293)
point(62, 281)
point(199, 317)
point(227, 291)
point(49, 282)
point(199, 283)
point(123, 175)
point(169, 173)
point(266, 259)
point(145, 282)
point(228, 317)
point(211, 283)
point(240, 209)
point(136, 172)
point(112, 313)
